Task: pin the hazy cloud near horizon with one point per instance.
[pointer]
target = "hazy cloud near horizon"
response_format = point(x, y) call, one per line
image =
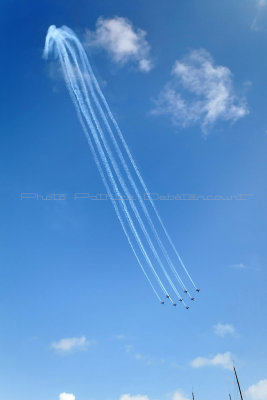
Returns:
point(66, 396)
point(67, 345)
point(257, 391)
point(224, 329)
point(223, 360)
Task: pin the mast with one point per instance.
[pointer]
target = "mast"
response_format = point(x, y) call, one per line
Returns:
point(193, 396)
point(238, 384)
point(230, 397)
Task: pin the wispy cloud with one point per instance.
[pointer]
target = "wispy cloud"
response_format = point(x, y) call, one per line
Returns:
point(220, 360)
point(67, 345)
point(257, 391)
point(123, 42)
point(178, 395)
point(258, 23)
point(120, 337)
point(66, 396)
point(224, 329)
point(136, 355)
point(262, 3)
point(128, 348)
point(144, 358)
point(127, 396)
point(210, 95)
point(239, 266)
point(253, 265)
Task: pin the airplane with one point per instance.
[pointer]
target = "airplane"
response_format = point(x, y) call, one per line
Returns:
point(180, 299)
point(162, 302)
point(174, 304)
point(185, 291)
point(187, 307)
point(192, 298)
point(197, 290)
point(167, 296)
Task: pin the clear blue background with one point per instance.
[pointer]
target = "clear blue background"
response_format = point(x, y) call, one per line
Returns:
point(66, 268)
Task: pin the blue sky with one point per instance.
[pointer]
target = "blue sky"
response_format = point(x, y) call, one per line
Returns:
point(77, 315)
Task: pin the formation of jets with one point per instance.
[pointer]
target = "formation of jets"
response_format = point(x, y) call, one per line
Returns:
point(185, 291)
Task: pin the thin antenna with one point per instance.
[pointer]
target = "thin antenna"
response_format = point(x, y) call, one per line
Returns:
point(238, 384)
point(193, 396)
point(230, 397)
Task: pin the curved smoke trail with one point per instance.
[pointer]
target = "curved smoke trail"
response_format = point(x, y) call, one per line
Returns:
point(87, 96)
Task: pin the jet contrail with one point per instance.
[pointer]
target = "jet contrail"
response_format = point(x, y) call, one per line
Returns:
point(76, 97)
point(119, 176)
point(72, 92)
point(87, 97)
point(125, 167)
point(102, 97)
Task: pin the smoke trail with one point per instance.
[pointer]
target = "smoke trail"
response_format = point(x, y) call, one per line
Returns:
point(119, 176)
point(114, 202)
point(126, 169)
point(74, 87)
point(134, 165)
point(100, 93)
point(80, 84)
point(78, 101)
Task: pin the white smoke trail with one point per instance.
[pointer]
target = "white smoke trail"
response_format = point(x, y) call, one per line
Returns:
point(92, 75)
point(121, 157)
point(69, 81)
point(71, 78)
point(78, 101)
point(100, 93)
point(61, 41)
point(119, 176)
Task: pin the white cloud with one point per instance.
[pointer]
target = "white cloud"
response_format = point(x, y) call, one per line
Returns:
point(210, 93)
point(135, 397)
point(120, 337)
point(178, 395)
point(66, 396)
point(128, 348)
point(147, 360)
point(239, 266)
point(224, 329)
point(262, 3)
point(253, 265)
point(220, 360)
point(258, 23)
point(68, 344)
point(257, 391)
point(122, 41)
